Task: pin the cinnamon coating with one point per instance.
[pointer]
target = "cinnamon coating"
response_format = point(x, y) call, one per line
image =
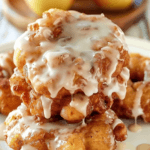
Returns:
point(72, 108)
point(54, 60)
point(124, 108)
point(98, 132)
point(66, 55)
point(136, 102)
point(8, 101)
point(137, 66)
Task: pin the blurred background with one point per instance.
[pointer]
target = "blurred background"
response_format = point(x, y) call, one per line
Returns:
point(133, 16)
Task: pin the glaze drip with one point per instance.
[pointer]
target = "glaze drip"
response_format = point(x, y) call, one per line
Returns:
point(137, 110)
point(46, 102)
point(80, 103)
point(72, 52)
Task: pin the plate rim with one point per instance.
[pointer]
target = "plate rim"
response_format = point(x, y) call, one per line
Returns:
point(7, 46)
point(137, 42)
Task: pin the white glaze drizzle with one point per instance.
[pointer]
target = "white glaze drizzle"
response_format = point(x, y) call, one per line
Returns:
point(32, 127)
point(125, 74)
point(58, 141)
point(116, 122)
point(75, 41)
point(115, 86)
point(46, 102)
point(80, 103)
point(137, 110)
point(147, 71)
point(110, 117)
point(27, 126)
point(135, 127)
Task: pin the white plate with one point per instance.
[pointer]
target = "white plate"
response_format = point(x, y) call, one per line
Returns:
point(135, 139)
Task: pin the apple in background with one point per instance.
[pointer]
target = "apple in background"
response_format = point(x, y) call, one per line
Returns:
point(114, 4)
point(39, 6)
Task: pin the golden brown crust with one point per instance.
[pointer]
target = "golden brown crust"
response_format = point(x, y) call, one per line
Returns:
point(137, 66)
point(98, 133)
point(8, 101)
point(60, 106)
point(48, 21)
point(124, 108)
point(6, 64)
point(53, 62)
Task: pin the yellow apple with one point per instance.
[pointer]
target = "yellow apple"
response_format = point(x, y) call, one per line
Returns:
point(114, 4)
point(39, 6)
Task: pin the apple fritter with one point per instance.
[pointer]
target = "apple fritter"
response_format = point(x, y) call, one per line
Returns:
point(96, 133)
point(137, 99)
point(66, 59)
